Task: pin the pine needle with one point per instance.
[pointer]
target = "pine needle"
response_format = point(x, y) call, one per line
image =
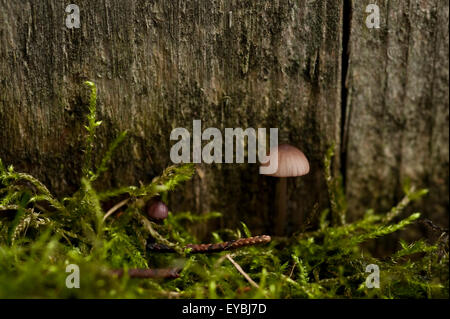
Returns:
point(243, 273)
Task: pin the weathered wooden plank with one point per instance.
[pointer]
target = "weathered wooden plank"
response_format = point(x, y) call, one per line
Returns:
point(398, 106)
point(159, 65)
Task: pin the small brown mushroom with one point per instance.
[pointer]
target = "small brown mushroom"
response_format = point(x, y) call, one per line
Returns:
point(157, 210)
point(291, 163)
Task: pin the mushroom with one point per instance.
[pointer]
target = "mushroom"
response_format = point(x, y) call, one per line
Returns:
point(291, 163)
point(157, 210)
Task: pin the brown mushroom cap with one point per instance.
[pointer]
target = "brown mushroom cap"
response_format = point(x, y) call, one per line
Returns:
point(291, 162)
point(157, 210)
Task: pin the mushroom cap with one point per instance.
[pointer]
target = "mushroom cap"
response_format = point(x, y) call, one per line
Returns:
point(158, 210)
point(291, 162)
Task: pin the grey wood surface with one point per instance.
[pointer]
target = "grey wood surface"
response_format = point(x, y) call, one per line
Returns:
point(161, 64)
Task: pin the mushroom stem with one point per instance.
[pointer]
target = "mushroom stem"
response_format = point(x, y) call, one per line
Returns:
point(281, 204)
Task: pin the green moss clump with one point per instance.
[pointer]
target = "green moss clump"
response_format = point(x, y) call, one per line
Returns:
point(41, 235)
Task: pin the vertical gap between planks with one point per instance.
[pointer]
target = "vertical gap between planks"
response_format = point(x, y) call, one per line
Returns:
point(346, 32)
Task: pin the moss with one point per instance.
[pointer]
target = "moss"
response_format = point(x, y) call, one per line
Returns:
point(40, 235)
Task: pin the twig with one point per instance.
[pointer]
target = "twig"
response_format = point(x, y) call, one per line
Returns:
point(211, 248)
point(243, 273)
point(292, 270)
point(115, 208)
